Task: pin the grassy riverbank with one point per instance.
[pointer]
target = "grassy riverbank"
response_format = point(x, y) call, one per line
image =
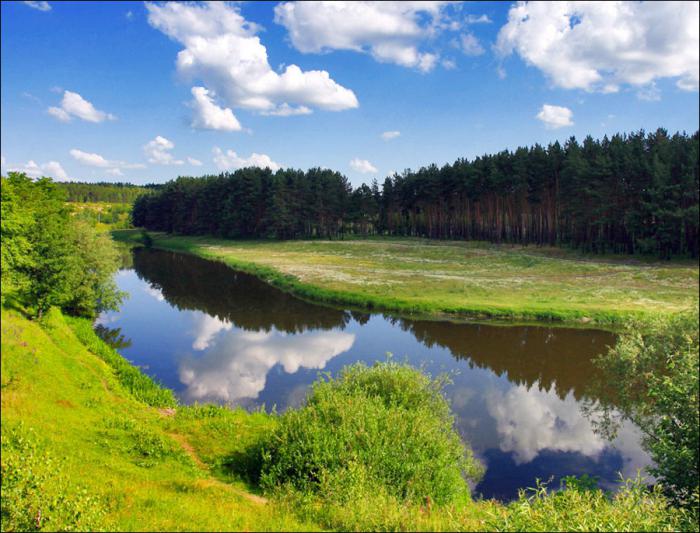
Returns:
point(90, 443)
point(454, 278)
point(80, 450)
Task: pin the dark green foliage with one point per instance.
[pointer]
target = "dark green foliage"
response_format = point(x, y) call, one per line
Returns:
point(655, 366)
point(383, 429)
point(141, 386)
point(634, 193)
point(48, 257)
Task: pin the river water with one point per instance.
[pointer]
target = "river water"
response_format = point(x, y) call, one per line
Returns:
point(216, 335)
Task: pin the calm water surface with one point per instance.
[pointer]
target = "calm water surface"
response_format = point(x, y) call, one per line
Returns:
point(216, 335)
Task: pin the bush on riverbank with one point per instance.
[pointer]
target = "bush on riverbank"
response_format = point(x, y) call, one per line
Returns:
point(381, 430)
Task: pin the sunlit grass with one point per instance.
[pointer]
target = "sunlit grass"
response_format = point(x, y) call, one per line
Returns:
point(83, 450)
point(458, 278)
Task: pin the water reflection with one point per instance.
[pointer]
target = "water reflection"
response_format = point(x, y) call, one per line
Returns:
point(190, 283)
point(238, 362)
point(212, 334)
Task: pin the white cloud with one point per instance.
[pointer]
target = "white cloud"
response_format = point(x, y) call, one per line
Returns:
point(41, 6)
point(448, 64)
point(599, 46)
point(222, 49)
point(482, 19)
point(237, 363)
point(113, 168)
point(194, 162)
point(208, 115)
point(74, 105)
point(389, 135)
point(555, 116)
point(129, 15)
point(59, 113)
point(285, 110)
point(470, 45)
point(51, 169)
point(650, 93)
point(363, 166)
point(389, 31)
point(158, 151)
point(91, 159)
point(231, 160)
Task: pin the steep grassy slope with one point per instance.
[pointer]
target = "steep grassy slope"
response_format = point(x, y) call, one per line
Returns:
point(129, 466)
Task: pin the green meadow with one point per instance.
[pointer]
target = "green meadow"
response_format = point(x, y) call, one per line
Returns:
point(455, 278)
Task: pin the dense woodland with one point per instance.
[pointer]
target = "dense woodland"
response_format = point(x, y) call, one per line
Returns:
point(119, 193)
point(631, 193)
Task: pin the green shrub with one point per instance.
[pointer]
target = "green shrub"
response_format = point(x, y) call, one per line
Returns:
point(580, 506)
point(36, 494)
point(385, 430)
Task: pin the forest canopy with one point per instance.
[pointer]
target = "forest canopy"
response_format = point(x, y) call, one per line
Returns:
point(630, 193)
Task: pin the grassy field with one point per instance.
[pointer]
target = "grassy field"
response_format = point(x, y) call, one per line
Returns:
point(461, 279)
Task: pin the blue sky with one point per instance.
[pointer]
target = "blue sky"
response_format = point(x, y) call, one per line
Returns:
point(95, 91)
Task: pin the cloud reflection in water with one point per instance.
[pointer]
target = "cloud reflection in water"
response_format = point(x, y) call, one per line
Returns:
point(531, 419)
point(237, 362)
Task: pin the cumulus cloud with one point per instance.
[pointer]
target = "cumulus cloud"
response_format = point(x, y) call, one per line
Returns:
point(208, 115)
point(113, 168)
point(87, 158)
point(285, 110)
point(470, 45)
point(481, 19)
point(237, 363)
point(389, 31)
point(599, 46)
point(74, 105)
point(230, 160)
point(41, 6)
point(554, 116)
point(363, 166)
point(52, 169)
point(194, 162)
point(159, 151)
point(389, 135)
point(222, 49)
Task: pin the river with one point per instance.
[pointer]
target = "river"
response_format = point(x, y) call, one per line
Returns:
point(216, 335)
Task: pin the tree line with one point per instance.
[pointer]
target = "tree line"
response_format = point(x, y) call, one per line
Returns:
point(118, 193)
point(630, 193)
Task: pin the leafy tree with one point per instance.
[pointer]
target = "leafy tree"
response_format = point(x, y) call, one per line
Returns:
point(50, 258)
point(655, 368)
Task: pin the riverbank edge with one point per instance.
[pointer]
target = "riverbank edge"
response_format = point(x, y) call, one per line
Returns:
point(505, 316)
